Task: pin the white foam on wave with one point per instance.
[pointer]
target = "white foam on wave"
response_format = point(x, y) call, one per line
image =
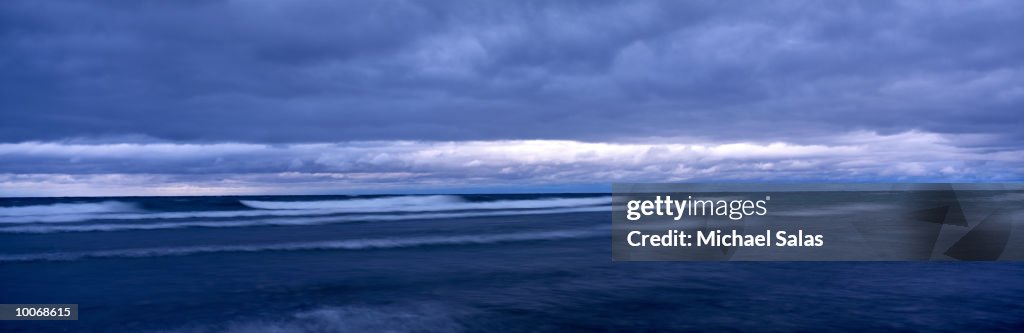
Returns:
point(71, 218)
point(352, 244)
point(431, 203)
point(422, 204)
point(104, 207)
point(361, 205)
point(46, 229)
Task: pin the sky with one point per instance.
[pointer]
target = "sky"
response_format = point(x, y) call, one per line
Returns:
point(334, 97)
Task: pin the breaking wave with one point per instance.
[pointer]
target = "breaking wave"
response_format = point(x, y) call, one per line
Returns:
point(67, 208)
point(421, 204)
point(70, 213)
point(70, 218)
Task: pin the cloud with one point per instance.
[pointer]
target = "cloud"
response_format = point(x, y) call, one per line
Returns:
point(240, 168)
point(248, 96)
point(328, 71)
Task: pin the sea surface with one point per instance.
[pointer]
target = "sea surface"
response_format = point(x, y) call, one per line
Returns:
point(442, 263)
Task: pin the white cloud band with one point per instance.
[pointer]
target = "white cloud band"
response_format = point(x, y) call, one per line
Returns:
point(67, 168)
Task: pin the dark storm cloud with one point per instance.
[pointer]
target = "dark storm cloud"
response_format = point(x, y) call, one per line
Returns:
point(323, 71)
point(221, 97)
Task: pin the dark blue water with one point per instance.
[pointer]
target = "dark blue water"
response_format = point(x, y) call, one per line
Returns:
point(503, 263)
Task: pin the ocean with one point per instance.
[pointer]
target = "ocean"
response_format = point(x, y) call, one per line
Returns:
point(442, 263)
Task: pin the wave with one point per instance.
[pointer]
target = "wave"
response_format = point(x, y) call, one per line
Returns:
point(319, 207)
point(362, 205)
point(71, 218)
point(46, 229)
point(67, 208)
point(421, 204)
point(397, 318)
point(355, 244)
